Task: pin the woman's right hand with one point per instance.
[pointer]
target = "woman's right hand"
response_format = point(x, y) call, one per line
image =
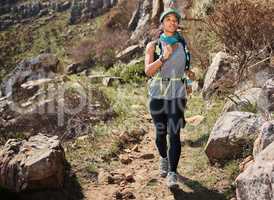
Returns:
point(167, 51)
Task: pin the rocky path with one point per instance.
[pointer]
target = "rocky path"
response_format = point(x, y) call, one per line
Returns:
point(136, 176)
point(139, 178)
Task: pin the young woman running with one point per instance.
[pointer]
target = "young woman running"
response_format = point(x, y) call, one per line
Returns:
point(167, 91)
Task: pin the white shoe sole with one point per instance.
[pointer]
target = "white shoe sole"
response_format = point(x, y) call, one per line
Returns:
point(163, 175)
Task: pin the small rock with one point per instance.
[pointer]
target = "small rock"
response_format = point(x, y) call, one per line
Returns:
point(118, 195)
point(105, 178)
point(109, 81)
point(123, 183)
point(147, 117)
point(115, 132)
point(125, 159)
point(135, 148)
point(147, 156)
point(130, 178)
point(118, 178)
point(82, 138)
point(75, 146)
point(127, 150)
point(195, 120)
point(124, 137)
point(31, 84)
point(223, 184)
point(128, 195)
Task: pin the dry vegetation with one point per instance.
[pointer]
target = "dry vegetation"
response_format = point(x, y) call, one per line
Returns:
point(111, 37)
point(245, 28)
point(101, 48)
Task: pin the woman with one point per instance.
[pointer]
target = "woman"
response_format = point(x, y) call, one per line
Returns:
point(167, 92)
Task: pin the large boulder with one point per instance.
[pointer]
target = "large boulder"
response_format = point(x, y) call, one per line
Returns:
point(231, 134)
point(266, 97)
point(221, 73)
point(256, 182)
point(265, 138)
point(38, 99)
point(59, 106)
point(243, 101)
point(262, 76)
point(127, 54)
point(258, 74)
point(34, 164)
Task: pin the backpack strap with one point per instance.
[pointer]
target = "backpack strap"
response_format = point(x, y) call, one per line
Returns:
point(183, 42)
point(158, 49)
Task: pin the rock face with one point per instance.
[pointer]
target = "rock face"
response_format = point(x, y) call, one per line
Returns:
point(135, 18)
point(87, 9)
point(38, 99)
point(243, 100)
point(265, 138)
point(12, 12)
point(34, 164)
point(256, 182)
point(144, 16)
point(43, 66)
point(220, 73)
point(148, 11)
point(54, 106)
point(156, 9)
point(231, 134)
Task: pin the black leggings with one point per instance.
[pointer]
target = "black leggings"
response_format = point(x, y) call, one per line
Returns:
point(168, 118)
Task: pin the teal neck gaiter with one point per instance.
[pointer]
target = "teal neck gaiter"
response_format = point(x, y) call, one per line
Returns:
point(171, 40)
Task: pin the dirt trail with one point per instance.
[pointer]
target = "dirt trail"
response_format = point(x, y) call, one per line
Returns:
point(147, 183)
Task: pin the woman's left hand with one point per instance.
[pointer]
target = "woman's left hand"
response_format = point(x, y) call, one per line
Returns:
point(190, 74)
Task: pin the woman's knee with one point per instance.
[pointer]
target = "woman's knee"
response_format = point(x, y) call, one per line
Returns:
point(160, 140)
point(175, 139)
point(175, 124)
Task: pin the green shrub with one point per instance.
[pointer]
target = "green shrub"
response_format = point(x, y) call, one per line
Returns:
point(129, 73)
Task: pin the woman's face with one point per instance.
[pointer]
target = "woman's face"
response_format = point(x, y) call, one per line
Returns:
point(170, 23)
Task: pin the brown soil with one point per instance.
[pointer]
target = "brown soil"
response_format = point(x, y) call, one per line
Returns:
point(147, 183)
